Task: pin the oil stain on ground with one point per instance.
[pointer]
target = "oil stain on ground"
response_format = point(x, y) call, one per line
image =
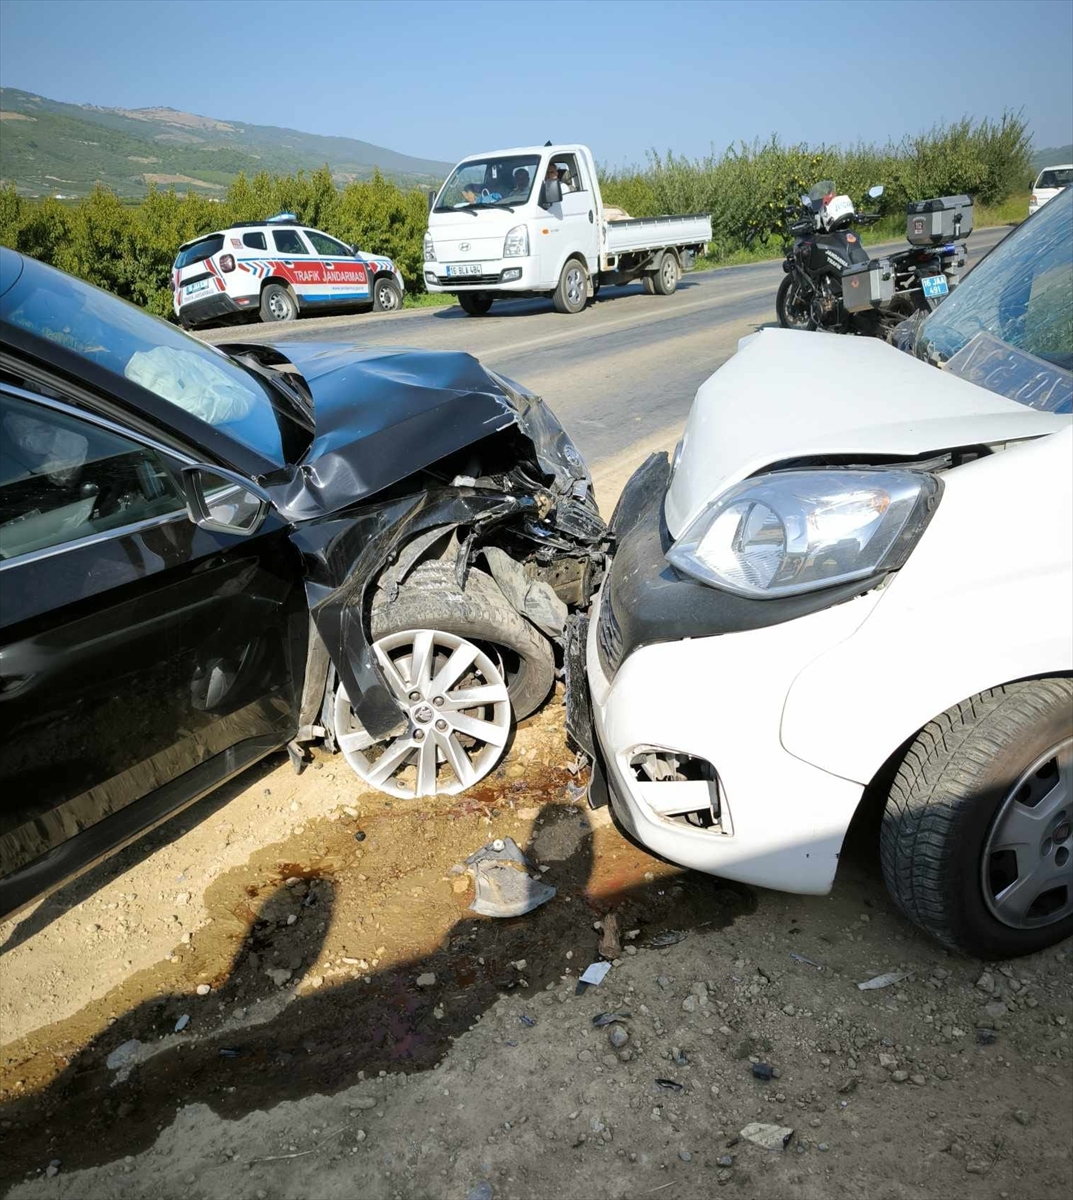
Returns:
point(313, 958)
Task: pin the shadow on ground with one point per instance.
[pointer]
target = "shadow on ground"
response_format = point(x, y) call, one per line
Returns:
point(321, 1040)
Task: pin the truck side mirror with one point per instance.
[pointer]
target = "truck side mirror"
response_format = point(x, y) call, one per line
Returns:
point(551, 192)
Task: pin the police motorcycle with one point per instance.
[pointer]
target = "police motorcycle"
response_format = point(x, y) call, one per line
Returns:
point(833, 284)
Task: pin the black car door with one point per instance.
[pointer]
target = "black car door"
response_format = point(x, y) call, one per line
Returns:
point(142, 659)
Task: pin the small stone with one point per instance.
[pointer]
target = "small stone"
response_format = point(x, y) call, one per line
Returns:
point(363, 1102)
point(771, 1137)
point(663, 981)
point(996, 1010)
point(725, 1160)
point(1021, 1117)
point(919, 1080)
point(618, 1036)
point(483, 1191)
point(426, 980)
point(689, 1004)
point(899, 1076)
point(584, 1056)
point(986, 982)
point(823, 1146)
point(977, 1166)
point(51, 1171)
point(789, 1009)
point(203, 989)
point(685, 1156)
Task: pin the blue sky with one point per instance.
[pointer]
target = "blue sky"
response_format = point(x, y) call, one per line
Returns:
point(449, 78)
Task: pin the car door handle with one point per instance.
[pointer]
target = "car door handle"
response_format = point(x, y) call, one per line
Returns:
point(590, 216)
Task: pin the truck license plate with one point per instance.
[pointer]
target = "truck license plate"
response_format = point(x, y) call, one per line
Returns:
point(464, 269)
point(935, 286)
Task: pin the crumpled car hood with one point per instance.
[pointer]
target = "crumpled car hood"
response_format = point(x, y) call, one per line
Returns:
point(383, 413)
point(788, 394)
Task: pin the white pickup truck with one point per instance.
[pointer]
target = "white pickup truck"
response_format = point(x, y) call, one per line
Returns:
point(531, 222)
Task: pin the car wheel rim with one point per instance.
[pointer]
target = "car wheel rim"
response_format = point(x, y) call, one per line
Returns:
point(387, 297)
point(670, 271)
point(574, 285)
point(1027, 864)
point(458, 712)
point(279, 307)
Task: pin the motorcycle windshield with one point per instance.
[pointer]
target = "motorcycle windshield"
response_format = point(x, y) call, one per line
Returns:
point(817, 192)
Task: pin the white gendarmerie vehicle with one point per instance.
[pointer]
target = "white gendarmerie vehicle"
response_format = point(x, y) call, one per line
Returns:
point(531, 222)
point(276, 269)
point(854, 586)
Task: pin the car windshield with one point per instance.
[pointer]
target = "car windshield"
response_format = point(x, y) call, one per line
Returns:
point(489, 183)
point(127, 341)
point(1055, 177)
point(1009, 326)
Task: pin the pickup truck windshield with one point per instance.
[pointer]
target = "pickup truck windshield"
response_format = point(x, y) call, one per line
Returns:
point(490, 183)
point(1009, 326)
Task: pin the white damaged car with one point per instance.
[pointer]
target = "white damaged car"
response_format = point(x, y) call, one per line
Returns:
point(853, 585)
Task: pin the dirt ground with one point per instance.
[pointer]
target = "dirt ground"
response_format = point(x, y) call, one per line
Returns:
point(283, 993)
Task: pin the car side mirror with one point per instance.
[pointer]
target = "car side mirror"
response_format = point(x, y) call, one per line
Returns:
point(875, 192)
point(551, 192)
point(431, 199)
point(224, 501)
point(355, 251)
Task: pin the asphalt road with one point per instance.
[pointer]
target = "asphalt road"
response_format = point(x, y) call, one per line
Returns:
point(620, 376)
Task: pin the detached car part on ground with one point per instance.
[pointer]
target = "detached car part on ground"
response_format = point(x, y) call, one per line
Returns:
point(854, 586)
point(207, 554)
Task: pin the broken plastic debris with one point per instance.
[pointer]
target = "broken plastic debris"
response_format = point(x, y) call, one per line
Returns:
point(771, 1137)
point(763, 1071)
point(807, 961)
point(594, 973)
point(670, 937)
point(123, 1056)
point(527, 1020)
point(502, 885)
point(669, 1085)
point(882, 981)
point(182, 1022)
point(608, 1018)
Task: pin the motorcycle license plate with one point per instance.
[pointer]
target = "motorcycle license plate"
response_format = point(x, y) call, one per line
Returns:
point(935, 286)
point(465, 269)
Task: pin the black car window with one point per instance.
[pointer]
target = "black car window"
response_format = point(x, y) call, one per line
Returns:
point(127, 341)
point(255, 241)
point(328, 246)
point(287, 241)
point(199, 251)
point(62, 479)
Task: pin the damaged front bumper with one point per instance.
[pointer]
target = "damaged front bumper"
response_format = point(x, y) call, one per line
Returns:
point(686, 714)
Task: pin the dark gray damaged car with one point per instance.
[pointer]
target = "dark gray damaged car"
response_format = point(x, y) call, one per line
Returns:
point(210, 553)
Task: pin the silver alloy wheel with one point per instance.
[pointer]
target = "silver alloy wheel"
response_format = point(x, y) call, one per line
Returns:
point(669, 271)
point(459, 717)
point(1028, 855)
point(386, 296)
point(575, 284)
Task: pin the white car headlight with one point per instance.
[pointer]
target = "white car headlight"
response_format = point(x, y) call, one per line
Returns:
point(516, 243)
point(430, 248)
point(798, 531)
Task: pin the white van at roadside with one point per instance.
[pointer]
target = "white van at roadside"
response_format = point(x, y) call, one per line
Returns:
point(530, 221)
point(1049, 182)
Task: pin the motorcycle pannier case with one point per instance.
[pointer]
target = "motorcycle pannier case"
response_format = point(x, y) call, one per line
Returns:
point(933, 222)
point(867, 285)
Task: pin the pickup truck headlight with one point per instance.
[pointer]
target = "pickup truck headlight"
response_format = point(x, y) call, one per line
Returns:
point(430, 248)
point(516, 243)
point(799, 531)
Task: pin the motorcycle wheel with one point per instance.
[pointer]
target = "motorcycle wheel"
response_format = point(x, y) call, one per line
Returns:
point(794, 310)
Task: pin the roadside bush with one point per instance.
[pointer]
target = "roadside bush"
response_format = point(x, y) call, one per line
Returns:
point(129, 248)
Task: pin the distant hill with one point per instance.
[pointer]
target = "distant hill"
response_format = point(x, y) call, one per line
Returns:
point(48, 148)
point(1051, 157)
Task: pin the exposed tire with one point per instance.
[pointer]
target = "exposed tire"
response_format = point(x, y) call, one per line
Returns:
point(649, 284)
point(572, 294)
point(976, 843)
point(387, 295)
point(665, 279)
point(430, 599)
point(277, 303)
point(475, 304)
point(793, 311)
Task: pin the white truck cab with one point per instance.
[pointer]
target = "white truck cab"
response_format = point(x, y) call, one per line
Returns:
point(530, 221)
